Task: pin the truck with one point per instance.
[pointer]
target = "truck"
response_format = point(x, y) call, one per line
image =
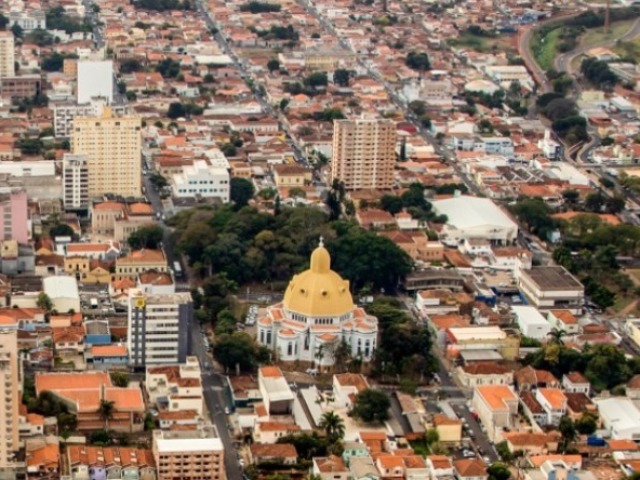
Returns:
point(177, 269)
point(594, 441)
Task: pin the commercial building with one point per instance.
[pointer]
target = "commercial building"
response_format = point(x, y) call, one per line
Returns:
point(316, 315)
point(276, 394)
point(140, 261)
point(112, 146)
point(364, 153)
point(176, 388)
point(482, 340)
point(95, 79)
point(621, 417)
point(7, 55)
point(13, 215)
point(63, 292)
point(75, 182)
point(552, 288)
point(37, 168)
point(10, 392)
point(531, 322)
point(496, 405)
point(158, 327)
point(193, 454)
point(203, 179)
point(24, 86)
point(64, 113)
point(475, 218)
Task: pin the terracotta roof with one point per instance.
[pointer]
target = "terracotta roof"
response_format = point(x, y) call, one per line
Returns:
point(44, 457)
point(330, 464)
point(109, 350)
point(634, 382)
point(177, 415)
point(531, 376)
point(525, 439)
point(155, 278)
point(622, 445)
point(54, 381)
point(485, 368)
point(537, 460)
point(129, 399)
point(470, 468)
point(440, 462)
point(496, 395)
point(444, 420)
point(576, 378)
point(140, 209)
point(172, 374)
point(577, 402)
point(146, 255)
point(109, 456)
point(554, 397)
point(108, 206)
point(531, 403)
point(359, 382)
point(278, 427)
point(565, 316)
point(270, 372)
point(277, 450)
point(388, 461)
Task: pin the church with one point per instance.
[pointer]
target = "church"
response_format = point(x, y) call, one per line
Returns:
point(316, 315)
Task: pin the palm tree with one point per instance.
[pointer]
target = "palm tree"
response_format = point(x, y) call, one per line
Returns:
point(556, 336)
point(333, 426)
point(105, 410)
point(319, 356)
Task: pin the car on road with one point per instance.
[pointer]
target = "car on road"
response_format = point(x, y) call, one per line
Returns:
point(312, 371)
point(227, 411)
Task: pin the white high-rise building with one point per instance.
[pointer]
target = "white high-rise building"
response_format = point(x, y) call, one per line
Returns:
point(75, 181)
point(10, 392)
point(7, 54)
point(159, 327)
point(95, 79)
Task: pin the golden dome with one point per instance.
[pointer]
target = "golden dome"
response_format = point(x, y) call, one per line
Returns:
point(319, 291)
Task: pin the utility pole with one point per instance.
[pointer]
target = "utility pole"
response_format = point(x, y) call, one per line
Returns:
point(607, 18)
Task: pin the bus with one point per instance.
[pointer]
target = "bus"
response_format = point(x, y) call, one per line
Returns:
point(177, 269)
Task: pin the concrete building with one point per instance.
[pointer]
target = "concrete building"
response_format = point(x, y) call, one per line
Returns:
point(496, 405)
point(531, 322)
point(554, 404)
point(276, 394)
point(10, 393)
point(176, 388)
point(316, 316)
point(204, 179)
point(621, 417)
point(552, 288)
point(140, 261)
point(63, 292)
point(14, 221)
point(95, 79)
point(194, 454)
point(64, 113)
point(75, 182)
point(480, 339)
point(475, 218)
point(24, 86)
point(364, 153)
point(29, 20)
point(7, 55)
point(158, 327)
point(37, 168)
point(112, 146)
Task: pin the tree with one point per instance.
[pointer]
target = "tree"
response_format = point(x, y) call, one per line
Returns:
point(176, 110)
point(130, 65)
point(101, 437)
point(432, 436)
point(586, 424)
point(556, 335)
point(61, 230)
point(341, 77)
point(307, 445)
point(44, 302)
point(149, 422)
point(17, 30)
point(242, 190)
point(594, 202)
point(418, 61)
point(317, 79)
point(371, 406)
point(333, 426)
point(418, 107)
point(498, 471)
point(4, 21)
point(297, 192)
point(568, 432)
point(106, 409)
point(146, 237)
point(391, 204)
point(158, 181)
point(485, 126)
point(237, 349)
point(273, 65)
point(120, 379)
point(571, 196)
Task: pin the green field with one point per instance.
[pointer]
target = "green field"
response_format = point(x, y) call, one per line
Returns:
point(597, 36)
point(545, 48)
point(502, 43)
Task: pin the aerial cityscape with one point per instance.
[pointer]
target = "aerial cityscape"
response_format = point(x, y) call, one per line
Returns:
point(328, 240)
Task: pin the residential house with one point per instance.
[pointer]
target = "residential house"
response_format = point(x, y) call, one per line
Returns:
point(531, 443)
point(283, 453)
point(484, 373)
point(43, 461)
point(449, 429)
point(140, 261)
point(270, 432)
point(374, 218)
point(363, 468)
point(470, 469)
point(176, 387)
point(528, 378)
point(346, 386)
point(353, 450)
point(330, 468)
point(575, 382)
point(291, 175)
point(89, 462)
point(440, 467)
point(108, 356)
point(554, 403)
point(564, 320)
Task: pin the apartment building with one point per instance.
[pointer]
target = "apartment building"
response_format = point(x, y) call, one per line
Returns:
point(29, 20)
point(158, 326)
point(194, 454)
point(496, 405)
point(64, 113)
point(364, 153)
point(177, 387)
point(75, 182)
point(203, 179)
point(95, 79)
point(552, 288)
point(7, 54)
point(13, 215)
point(112, 145)
point(24, 86)
point(10, 393)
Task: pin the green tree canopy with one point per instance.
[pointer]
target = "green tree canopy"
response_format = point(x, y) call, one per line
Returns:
point(371, 406)
point(149, 236)
point(242, 190)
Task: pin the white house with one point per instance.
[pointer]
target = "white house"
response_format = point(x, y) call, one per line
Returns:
point(531, 322)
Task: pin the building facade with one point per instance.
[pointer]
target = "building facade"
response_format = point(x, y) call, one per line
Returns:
point(364, 153)
point(194, 454)
point(75, 182)
point(7, 54)
point(64, 113)
point(204, 180)
point(316, 317)
point(112, 146)
point(95, 79)
point(13, 215)
point(10, 389)
point(158, 326)
point(28, 20)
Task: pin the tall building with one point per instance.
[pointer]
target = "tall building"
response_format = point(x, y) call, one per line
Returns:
point(158, 326)
point(7, 55)
point(193, 454)
point(316, 316)
point(65, 112)
point(364, 153)
point(95, 79)
point(13, 215)
point(75, 182)
point(10, 388)
point(112, 146)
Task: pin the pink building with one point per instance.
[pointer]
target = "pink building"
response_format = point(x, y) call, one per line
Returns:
point(13, 215)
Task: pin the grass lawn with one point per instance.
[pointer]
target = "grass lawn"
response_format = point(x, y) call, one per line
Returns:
point(621, 303)
point(597, 36)
point(635, 274)
point(502, 43)
point(629, 50)
point(545, 48)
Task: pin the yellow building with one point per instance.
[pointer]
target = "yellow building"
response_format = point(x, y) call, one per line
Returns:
point(285, 175)
point(112, 146)
point(327, 60)
point(364, 153)
point(70, 67)
point(449, 429)
point(7, 55)
point(140, 261)
point(87, 270)
point(10, 388)
point(633, 330)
